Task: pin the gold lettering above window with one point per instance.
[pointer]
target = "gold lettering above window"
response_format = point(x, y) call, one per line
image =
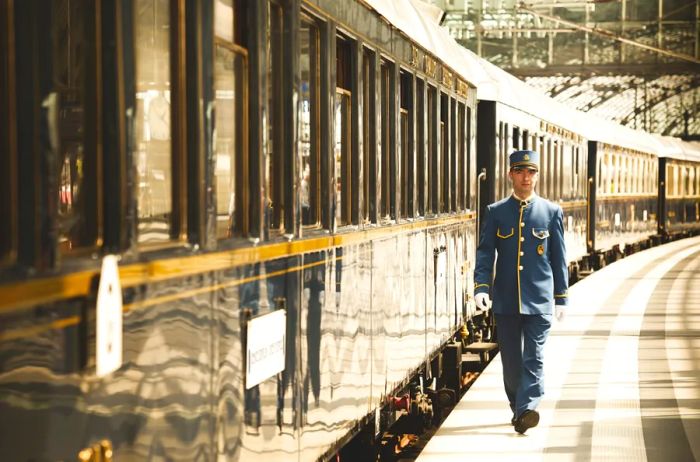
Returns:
point(430, 66)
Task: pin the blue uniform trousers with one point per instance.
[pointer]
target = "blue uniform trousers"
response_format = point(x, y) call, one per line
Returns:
point(521, 339)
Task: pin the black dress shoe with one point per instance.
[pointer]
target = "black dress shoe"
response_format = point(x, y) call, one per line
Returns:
point(527, 419)
point(513, 420)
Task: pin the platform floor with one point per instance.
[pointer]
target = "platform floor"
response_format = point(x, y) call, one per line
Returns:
point(622, 374)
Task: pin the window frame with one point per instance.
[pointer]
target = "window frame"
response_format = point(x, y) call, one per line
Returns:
point(8, 141)
point(315, 60)
point(239, 218)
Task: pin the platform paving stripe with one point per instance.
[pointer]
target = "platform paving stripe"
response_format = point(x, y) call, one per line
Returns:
point(571, 430)
point(617, 429)
point(664, 337)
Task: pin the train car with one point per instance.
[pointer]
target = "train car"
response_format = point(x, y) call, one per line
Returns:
point(229, 229)
point(510, 116)
point(679, 188)
point(623, 195)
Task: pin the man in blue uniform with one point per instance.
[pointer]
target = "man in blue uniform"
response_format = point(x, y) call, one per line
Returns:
point(526, 233)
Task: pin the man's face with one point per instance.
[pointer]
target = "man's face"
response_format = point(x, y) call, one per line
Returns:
point(524, 180)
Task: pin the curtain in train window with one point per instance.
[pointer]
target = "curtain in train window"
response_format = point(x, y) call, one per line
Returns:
point(153, 149)
point(230, 92)
point(71, 115)
point(309, 123)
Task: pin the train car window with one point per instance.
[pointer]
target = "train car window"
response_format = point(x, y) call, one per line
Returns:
point(676, 181)
point(630, 176)
point(516, 138)
point(452, 156)
point(386, 151)
point(342, 133)
point(575, 166)
point(567, 170)
point(500, 147)
point(542, 175)
point(420, 151)
point(8, 153)
point(444, 158)
point(552, 172)
point(641, 186)
point(471, 163)
point(615, 173)
point(309, 131)
point(432, 156)
point(697, 181)
point(154, 154)
point(369, 133)
point(275, 170)
point(502, 178)
point(555, 173)
point(545, 167)
point(71, 113)
point(462, 158)
point(230, 90)
point(691, 181)
point(406, 131)
point(671, 180)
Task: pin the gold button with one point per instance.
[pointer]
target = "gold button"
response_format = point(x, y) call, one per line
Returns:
point(522, 224)
point(522, 239)
point(522, 253)
point(521, 268)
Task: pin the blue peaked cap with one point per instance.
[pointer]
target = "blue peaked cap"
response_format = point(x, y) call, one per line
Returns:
point(529, 159)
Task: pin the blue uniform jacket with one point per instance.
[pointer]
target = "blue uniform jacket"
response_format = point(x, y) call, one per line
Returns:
point(531, 269)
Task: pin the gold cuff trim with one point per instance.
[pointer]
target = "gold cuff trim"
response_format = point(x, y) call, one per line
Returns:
point(476, 286)
point(561, 296)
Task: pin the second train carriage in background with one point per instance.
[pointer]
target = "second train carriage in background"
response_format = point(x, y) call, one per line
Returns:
point(623, 189)
point(678, 187)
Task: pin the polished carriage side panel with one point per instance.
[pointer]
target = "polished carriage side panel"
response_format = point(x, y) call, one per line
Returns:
point(624, 221)
point(158, 404)
point(575, 230)
point(263, 419)
point(336, 343)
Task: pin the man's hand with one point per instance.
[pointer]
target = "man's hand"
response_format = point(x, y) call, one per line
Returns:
point(559, 312)
point(483, 301)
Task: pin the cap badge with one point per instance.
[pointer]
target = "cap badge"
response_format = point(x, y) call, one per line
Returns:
point(526, 157)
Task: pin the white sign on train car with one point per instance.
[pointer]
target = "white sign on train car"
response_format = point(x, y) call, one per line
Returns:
point(265, 347)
